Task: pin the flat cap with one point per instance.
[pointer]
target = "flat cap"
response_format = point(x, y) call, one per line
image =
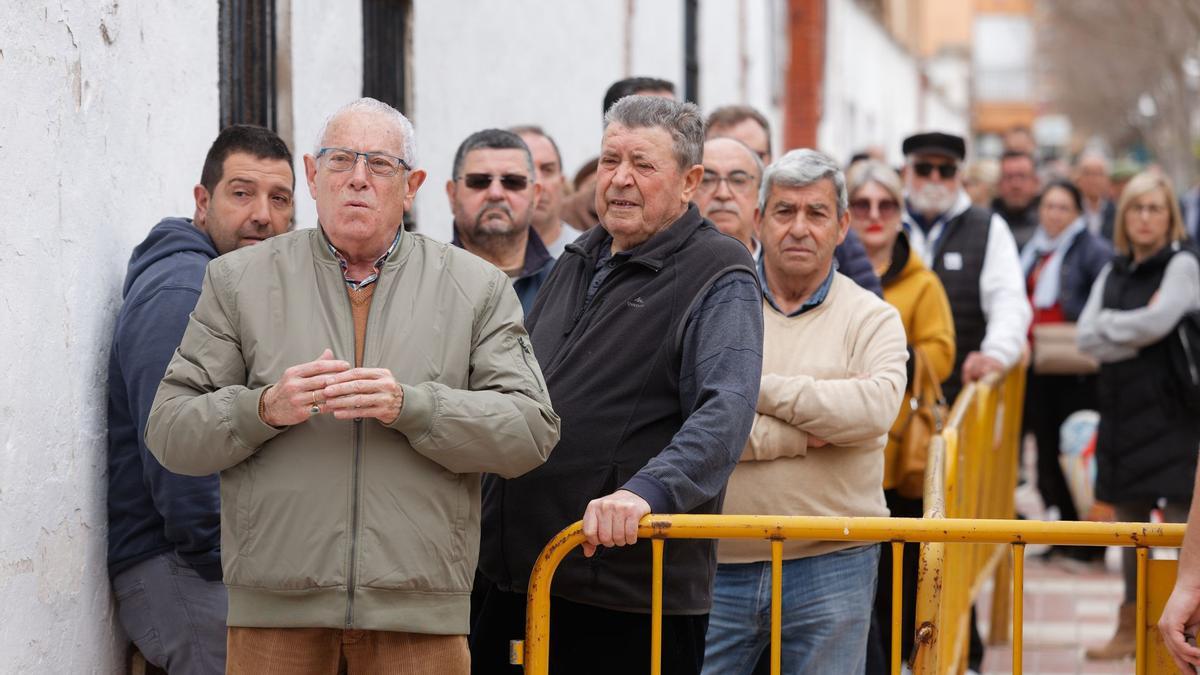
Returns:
point(935, 143)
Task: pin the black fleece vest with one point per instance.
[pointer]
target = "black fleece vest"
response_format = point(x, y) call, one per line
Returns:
point(1147, 441)
point(612, 369)
point(958, 262)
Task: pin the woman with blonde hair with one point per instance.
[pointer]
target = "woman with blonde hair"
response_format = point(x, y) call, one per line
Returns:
point(1148, 438)
point(876, 203)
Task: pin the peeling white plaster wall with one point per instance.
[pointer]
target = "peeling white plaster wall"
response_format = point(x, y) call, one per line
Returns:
point(108, 109)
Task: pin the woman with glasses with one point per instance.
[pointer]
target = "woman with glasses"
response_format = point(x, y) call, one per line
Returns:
point(1148, 438)
point(1060, 263)
point(915, 291)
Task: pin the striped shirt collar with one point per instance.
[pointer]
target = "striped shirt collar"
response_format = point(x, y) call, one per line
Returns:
point(358, 285)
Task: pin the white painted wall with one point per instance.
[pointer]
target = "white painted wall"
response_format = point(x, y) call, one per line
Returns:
point(488, 64)
point(872, 93)
point(327, 65)
point(108, 111)
point(750, 29)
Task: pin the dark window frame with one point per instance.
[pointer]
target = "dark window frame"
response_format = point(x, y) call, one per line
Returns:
point(246, 45)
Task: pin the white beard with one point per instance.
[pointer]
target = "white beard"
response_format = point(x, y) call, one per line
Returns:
point(932, 198)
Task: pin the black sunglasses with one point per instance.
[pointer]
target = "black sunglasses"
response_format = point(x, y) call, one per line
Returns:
point(512, 182)
point(945, 171)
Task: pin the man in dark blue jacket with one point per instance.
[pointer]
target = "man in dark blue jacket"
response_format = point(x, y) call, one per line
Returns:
point(164, 552)
point(493, 193)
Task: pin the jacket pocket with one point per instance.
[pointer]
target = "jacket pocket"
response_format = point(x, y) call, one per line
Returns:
point(416, 519)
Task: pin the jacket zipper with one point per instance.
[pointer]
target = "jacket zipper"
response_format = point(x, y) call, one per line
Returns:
point(354, 515)
point(526, 354)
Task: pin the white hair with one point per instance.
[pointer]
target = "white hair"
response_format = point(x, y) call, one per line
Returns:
point(377, 107)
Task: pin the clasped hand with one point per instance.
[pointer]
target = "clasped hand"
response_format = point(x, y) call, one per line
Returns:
point(328, 385)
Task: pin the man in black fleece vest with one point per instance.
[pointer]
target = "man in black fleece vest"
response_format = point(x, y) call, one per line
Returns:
point(649, 332)
point(164, 548)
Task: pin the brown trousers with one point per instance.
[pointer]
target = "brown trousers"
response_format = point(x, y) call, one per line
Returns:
point(330, 651)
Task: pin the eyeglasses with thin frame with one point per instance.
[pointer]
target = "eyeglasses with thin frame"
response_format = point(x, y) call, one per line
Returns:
point(513, 182)
point(378, 163)
point(861, 208)
point(945, 171)
point(738, 181)
point(1147, 209)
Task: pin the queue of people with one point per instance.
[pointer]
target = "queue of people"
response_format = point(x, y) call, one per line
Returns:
point(342, 449)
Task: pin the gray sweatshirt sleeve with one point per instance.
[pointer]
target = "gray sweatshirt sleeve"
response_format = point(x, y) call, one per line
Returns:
point(721, 365)
point(1088, 335)
point(1178, 294)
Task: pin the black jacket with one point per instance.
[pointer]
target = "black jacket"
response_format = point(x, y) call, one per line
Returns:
point(150, 509)
point(617, 370)
point(1147, 441)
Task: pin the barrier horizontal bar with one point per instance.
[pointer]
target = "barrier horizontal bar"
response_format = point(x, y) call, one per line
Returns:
point(833, 528)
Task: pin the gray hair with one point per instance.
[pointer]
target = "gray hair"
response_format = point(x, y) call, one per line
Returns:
point(373, 106)
point(799, 168)
point(874, 171)
point(680, 119)
point(492, 139)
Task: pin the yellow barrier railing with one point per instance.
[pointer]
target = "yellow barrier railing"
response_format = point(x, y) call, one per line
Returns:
point(534, 653)
point(972, 474)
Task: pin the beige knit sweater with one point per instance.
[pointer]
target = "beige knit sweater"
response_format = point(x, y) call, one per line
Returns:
point(835, 372)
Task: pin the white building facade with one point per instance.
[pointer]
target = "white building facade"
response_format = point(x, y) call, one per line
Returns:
point(109, 110)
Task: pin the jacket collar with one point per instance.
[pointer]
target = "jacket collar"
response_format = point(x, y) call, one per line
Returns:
point(652, 253)
point(399, 251)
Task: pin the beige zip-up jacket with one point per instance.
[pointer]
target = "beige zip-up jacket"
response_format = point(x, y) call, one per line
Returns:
point(353, 524)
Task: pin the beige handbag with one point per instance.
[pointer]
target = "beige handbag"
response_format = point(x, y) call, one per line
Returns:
point(1055, 351)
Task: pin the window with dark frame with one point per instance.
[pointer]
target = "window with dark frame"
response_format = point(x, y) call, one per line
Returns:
point(691, 51)
point(246, 35)
point(386, 46)
point(385, 51)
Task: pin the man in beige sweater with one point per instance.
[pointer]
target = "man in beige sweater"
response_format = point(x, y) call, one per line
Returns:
point(833, 376)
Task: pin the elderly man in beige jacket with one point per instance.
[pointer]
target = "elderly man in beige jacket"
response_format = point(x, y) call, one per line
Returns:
point(833, 377)
point(350, 483)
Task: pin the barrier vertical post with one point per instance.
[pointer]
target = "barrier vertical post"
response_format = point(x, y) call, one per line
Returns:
point(776, 606)
point(1018, 618)
point(1140, 628)
point(656, 607)
point(897, 602)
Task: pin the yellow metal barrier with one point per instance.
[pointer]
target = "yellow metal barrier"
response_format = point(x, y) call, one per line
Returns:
point(774, 529)
point(969, 487)
point(972, 474)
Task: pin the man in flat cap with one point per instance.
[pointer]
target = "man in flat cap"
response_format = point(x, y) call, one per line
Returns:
point(972, 252)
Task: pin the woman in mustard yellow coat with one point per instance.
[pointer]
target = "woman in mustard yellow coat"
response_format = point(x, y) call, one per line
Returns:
point(876, 202)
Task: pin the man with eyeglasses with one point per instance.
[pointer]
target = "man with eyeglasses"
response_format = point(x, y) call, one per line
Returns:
point(972, 252)
point(350, 482)
point(164, 547)
point(493, 195)
point(729, 189)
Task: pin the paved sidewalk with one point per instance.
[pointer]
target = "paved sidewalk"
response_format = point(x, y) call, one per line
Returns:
point(1066, 610)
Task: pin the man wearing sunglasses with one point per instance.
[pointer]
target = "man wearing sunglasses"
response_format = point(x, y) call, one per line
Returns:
point(350, 481)
point(493, 195)
point(972, 252)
